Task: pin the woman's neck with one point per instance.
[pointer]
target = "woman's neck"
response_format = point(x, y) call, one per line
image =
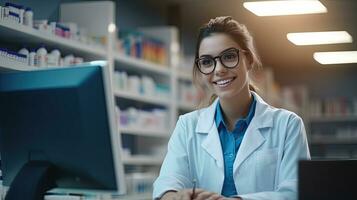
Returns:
point(235, 108)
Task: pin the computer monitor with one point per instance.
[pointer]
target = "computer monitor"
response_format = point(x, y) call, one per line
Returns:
point(327, 179)
point(64, 117)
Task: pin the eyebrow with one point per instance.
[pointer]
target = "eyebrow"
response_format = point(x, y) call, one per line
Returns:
point(207, 55)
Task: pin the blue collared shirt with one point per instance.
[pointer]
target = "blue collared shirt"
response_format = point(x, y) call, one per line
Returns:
point(230, 142)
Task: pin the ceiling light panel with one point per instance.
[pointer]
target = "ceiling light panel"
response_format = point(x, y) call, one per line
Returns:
point(315, 38)
point(336, 57)
point(284, 7)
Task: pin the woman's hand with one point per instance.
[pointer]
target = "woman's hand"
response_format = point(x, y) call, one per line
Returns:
point(206, 195)
point(200, 194)
point(185, 194)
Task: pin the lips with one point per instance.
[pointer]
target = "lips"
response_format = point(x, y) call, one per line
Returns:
point(223, 82)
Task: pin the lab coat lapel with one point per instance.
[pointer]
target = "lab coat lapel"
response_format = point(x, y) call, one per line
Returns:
point(206, 125)
point(212, 145)
point(254, 135)
point(251, 141)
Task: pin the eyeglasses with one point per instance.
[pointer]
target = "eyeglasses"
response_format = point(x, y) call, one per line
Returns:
point(229, 58)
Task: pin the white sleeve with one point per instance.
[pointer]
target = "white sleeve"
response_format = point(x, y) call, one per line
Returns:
point(175, 173)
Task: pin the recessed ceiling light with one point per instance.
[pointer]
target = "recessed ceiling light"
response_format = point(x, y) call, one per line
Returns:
point(336, 57)
point(314, 38)
point(285, 7)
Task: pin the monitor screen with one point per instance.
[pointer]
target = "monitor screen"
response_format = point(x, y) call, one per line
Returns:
point(64, 116)
point(327, 179)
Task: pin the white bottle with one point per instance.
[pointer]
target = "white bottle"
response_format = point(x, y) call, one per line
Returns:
point(28, 17)
point(56, 54)
point(25, 52)
point(6, 12)
point(68, 60)
point(32, 58)
point(21, 14)
point(41, 57)
point(61, 61)
point(1, 13)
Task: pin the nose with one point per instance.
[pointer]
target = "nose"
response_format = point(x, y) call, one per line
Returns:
point(219, 67)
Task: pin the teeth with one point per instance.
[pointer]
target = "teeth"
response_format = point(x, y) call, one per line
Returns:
point(223, 82)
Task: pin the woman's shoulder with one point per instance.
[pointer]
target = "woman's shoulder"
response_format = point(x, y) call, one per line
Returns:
point(284, 112)
point(282, 115)
point(270, 111)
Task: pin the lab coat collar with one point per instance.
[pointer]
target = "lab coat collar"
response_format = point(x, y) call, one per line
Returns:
point(252, 140)
point(262, 115)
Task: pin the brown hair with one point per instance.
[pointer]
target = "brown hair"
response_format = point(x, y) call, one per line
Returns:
point(239, 33)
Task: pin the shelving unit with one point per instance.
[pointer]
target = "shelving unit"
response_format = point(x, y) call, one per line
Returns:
point(342, 118)
point(141, 98)
point(144, 132)
point(144, 196)
point(184, 74)
point(333, 141)
point(186, 106)
point(333, 136)
point(20, 34)
point(142, 160)
point(24, 34)
point(130, 63)
point(7, 65)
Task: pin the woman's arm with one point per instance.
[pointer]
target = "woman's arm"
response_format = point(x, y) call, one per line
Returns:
point(175, 173)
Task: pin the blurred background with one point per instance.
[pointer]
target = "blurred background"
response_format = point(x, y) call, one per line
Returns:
point(150, 46)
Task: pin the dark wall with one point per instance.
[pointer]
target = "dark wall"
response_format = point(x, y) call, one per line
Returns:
point(137, 13)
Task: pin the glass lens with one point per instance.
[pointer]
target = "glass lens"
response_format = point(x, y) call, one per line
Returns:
point(206, 64)
point(230, 58)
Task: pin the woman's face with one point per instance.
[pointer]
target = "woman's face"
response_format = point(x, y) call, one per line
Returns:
point(226, 83)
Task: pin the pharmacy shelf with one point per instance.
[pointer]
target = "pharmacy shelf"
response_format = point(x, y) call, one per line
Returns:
point(25, 35)
point(186, 106)
point(142, 98)
point(144, 132)
point(142, 160)
point(332, 157)
point(333, 140)
point(7, 64)
point(145, 196)
point(345, 118)
point(184, 74)
point(139, 64)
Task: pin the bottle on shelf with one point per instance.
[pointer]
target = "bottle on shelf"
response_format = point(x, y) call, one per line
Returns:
point(28, 17)
point(53, 58)
point(41, 57)
point(68, 60)
point(25, 51)
point(32, 58)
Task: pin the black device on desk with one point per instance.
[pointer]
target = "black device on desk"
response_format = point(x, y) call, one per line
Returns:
point(57, 130)
point(328, 180)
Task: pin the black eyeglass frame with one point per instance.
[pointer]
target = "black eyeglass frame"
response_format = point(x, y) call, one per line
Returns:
point(220, 59)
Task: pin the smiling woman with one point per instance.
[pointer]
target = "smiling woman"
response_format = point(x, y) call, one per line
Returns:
point(236, 36)
point(238, 147)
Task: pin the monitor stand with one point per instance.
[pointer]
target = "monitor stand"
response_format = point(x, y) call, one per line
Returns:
point(32, 181)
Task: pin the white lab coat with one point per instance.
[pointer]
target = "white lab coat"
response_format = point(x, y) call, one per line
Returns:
point(265, 166)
